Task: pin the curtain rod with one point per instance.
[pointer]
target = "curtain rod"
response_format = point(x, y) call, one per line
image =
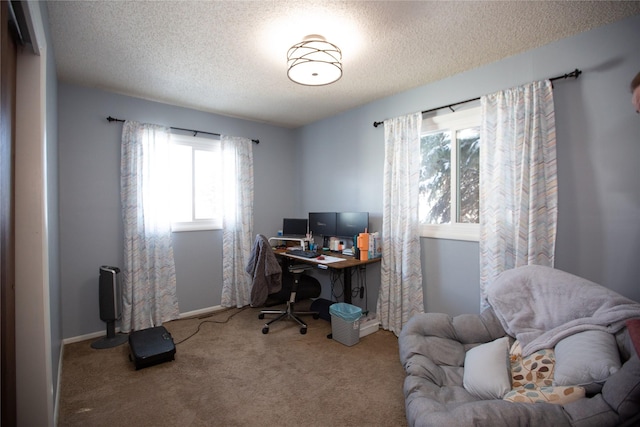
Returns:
point(195, 132)
point(575, 73)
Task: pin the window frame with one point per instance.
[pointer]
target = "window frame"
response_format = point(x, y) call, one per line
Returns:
point(468, 117)
point(202, 144)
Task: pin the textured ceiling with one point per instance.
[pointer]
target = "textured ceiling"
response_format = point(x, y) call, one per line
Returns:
point(229, 57)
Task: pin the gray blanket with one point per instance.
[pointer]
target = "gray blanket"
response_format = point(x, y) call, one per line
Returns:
point(265, 271)
point(539, 306)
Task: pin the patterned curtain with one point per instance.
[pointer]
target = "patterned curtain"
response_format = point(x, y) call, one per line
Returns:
point(149, 278)
point(400, 294)
point(518, 181)
point(237, 234)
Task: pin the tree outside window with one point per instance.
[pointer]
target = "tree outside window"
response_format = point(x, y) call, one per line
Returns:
point(449, 189)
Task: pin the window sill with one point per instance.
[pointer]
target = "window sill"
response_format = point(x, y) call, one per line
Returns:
point(468, 232)
point(179, 227)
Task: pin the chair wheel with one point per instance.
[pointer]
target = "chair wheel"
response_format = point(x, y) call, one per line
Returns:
point(261, 316)
point(316, 316)
point(265, 330)
point(303, 331)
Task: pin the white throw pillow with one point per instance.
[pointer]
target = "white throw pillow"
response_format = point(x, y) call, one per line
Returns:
point(586, 357)
point(486, 370)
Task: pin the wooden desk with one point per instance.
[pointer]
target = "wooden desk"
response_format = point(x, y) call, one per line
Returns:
point(343, 266)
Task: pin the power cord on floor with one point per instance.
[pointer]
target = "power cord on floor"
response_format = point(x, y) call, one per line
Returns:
point(212, 321)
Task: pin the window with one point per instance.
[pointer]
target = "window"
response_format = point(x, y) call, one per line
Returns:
point(449, 202)
point(196, 183)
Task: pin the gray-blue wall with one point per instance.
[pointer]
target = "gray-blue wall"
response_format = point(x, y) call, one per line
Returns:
point(598, 144)
point(90, 218)
point(340, 160)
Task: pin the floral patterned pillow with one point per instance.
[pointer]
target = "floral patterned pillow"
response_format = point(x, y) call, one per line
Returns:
point(532, 379)
point(534, 370)
point(557, 395)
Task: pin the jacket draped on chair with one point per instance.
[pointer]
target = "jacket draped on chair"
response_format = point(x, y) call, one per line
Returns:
point(265, 271)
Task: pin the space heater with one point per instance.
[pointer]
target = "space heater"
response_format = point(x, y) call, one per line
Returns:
point(110, 295)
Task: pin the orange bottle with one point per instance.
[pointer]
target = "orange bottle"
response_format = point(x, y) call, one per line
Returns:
point(363, 246)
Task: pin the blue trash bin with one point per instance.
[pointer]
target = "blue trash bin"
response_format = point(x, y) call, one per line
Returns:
point(345, 323)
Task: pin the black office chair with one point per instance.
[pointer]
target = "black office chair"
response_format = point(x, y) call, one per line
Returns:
point(290, 313)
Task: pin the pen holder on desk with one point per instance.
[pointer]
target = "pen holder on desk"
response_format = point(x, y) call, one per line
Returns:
point(363, 246)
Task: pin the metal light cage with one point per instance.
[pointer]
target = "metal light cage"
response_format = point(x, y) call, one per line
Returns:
point(314, 62)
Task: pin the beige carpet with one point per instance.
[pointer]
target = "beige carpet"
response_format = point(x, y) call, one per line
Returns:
point(230, 374)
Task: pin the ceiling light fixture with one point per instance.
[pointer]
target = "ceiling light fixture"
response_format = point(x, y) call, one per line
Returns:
point(314, 61)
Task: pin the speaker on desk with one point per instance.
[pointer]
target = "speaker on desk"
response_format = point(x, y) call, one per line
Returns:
point(110, 296)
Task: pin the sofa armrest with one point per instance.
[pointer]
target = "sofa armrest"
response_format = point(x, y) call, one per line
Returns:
point(445, 339)
point(622, 390)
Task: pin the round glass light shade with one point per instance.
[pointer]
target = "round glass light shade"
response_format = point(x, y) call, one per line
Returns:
point(314, 62)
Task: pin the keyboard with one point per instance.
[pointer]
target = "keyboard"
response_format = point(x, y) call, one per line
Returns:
point(304, 254)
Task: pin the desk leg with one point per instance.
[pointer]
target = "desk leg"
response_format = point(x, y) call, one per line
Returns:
point(346, 278)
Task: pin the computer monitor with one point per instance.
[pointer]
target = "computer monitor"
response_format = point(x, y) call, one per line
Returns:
point(322, 223)
point(294, 226)
point(348, 224)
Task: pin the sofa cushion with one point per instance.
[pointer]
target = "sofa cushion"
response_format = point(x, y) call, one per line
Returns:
point(590, 412)
point(486, 369)
point(586, 358)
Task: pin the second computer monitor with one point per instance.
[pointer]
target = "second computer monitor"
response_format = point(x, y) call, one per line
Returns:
point(294, 226)
point(322, 223)
point(348, 224)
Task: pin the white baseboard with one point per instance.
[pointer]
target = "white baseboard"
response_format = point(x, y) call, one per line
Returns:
point(196, 313)
point(188, 314)
point(90, 336)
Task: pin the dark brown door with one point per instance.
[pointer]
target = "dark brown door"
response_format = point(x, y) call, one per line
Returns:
point(7, 228)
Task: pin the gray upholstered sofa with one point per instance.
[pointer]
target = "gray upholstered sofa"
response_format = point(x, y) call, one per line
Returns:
point(433, 349)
